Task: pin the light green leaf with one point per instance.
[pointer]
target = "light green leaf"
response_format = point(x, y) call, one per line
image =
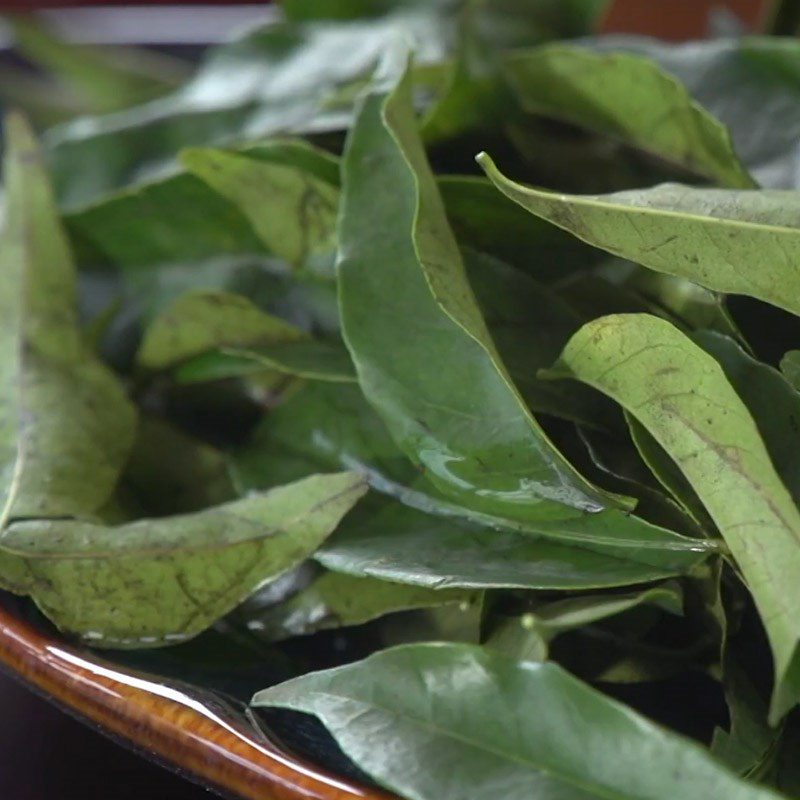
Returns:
point(292, 211)
point(453, 410)
point(771, 400)
point(336, 600)
point(461, 721)
point(152, 582)
point(201, 321)
point(630, 99)
point(65, 424)
point(681, 396)
point(738, 242)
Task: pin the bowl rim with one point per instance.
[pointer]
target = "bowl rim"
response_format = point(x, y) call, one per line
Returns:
point(192, 732)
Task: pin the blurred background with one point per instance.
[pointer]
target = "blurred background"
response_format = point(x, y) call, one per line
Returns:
point(44, 754)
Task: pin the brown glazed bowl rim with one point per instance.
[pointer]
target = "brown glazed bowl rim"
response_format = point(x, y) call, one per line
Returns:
point(194, 733)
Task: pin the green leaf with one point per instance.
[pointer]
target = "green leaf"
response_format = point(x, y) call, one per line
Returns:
point(183, 218)
point(629, 99)
point(153, 582)
point(335, 600)
point(730, 78)
point(65, 424)
point(738, 242)
point(790, 367)
point(169, 472)
point(461, 721)
point(771, 400)
point(667, 472)
point(313, 360)
point(527, 342)
point(490, 223)
point(407, 545)
point(681, 396)
point(329, 426)
point(454, 411)
point(201, 321)
point(291, 210)
point(527, 637)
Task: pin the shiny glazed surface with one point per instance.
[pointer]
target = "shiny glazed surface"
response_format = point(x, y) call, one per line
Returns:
point(183, 726)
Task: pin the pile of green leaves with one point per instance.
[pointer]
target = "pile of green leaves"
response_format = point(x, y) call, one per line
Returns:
point(275, 349)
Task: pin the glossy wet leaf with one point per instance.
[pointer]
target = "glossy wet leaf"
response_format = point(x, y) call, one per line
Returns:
point(435, 708)
point(329, 426)
point(681, 396)
point(629, 99)
point(406, 545)
point(456, 412)
point(66, 425)
point(738, 242)
point(155, 581)
point(336, 600)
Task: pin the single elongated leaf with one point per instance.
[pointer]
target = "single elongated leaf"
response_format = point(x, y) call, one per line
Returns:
point(315, 360)
point(455, 411)
point(527, 636)
point(65, 424)
point(336, 600)
point(202, 321)
point(630, 99)
point(151, 582)
point(682, 397)
point(737, 242)
point(463, 721)
point(403, 544)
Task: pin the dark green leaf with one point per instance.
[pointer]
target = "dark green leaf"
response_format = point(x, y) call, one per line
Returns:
point(443, 713)
point(455, 412)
